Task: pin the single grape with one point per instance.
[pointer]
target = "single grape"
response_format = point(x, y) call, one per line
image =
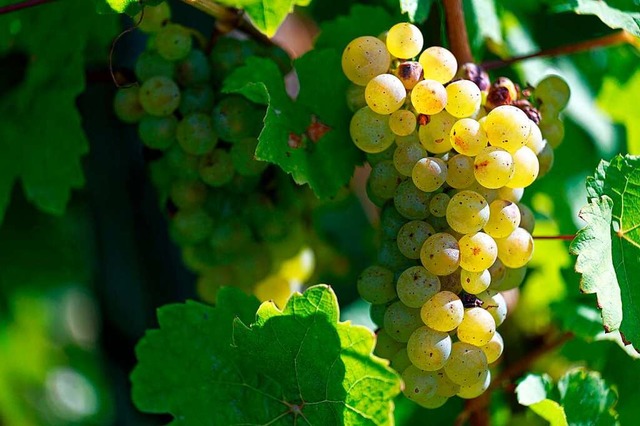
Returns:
point(478, 251)
point(451, 282)
point(429, 174)
point(409, 73)
point(126, 105)
point(236, 118)
point(412, 236)
point(158, 132)
point(173, 42)
point(438, 204)
point(375, 285)
point(510, 194)
point(429, 97)
point(515, 250)
point(355, 97)
point(477, 327)
point(364, 58)
point(192, 226)
point(401, 321)
point(476, 389)
point(535, 142)
point(154, 17)
point(196, 135)
point(493, 349)
point(406, 155)
point(545, 160)
point(411, 202)
point(244, 158)
point(384, 180)
point(460, 171)
point(385, 94)
point(386, 346)
point(216, 168)
point(391, 221)
point(525, 168)
point(463, 98)
point(434, 136)
point(390, 256)
point(400, 361)
point(370, 132)
point(196, 99)
point(402, 122)
point(493, 167)
point(504, 218)
point(443, 311)
point(428, 349)
point(404, 40)
point(439, 64)
point(494, 303)
point(150, 64)
point(553, 90)
point(159, 96)
point(194, 69)
point(527, 218)
point(467, 212)
point(416, 285)
point(445, 387)
point(440, 254)
point(553, 131)
point(511, 278)
point(188, 194)
point(468, 137)
point(507, 127)
point(475, 282)
point(467, 364)
point(419, 385)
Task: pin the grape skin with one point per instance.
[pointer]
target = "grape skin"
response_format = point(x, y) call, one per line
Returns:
point(412, 236)
point(429, 97)
point(504, 218)
point(158, 132)
point(173, 42)
point(460, 172)
point(429, 174)
point(507, 127)
point(468, 137)
point(404, 40)
point(364, 58)
point(402, 122)
point(525, 168)
point(370, 131)
point(159, 96)
point(376, 285)
point(467, 364)
point(406, 155)
point(478, 252)
point(385, 94)
point(516, 250)
point(477, 327)
point(386, 346)
point(416, 285)
point(463, 98)
point(439, 64)
point(429, 349)
point(400, 321)
point(420, 386)
point(440, 254)
point(475, 282)
point(434, 136)
point(493, 349)
point(467, 212)
point(411, 202)
point(443, 311)
point(493, 167)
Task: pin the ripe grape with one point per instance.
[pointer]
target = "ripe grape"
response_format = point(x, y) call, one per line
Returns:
point(429, 97)
point(511, 278)
point(504, 218)
point(429, 349)
point(468, 137)
point(535, 142)
point(451, 282)
point(406, 155)
point(525, 168)
point(510, 194)
point(476, 389)
point(411, 202)
point(467, 364)
point(370, 132)
point(154, 17)
point(126, 105)
point(440, 254)
point(429, 174)
point(386, 346)
point(159, 96)
point(384, 179)
point(416, 285)
point(463, 98)
point(477, 327)
point(412, 236)
point(419, 386)
point(376, 285)
point(150, 64)
point(478, 251)
point(195, 134)
point(460, 171)
point(438, 204)
point(553, 90)
point(173, 42)
point(493, 167)
point(402, 122)
point(364, 58)
point(467, 212)
point(439, 64)
point(434, 136)
point(495, 304)
point(400, 321)
point(515, 250)
point(385, 94)
point(404, 40)
point(493, 349)
point(443, 311)
point(475, 282)
point(553, 130)
point(158, 132)
point(244, 159)
point(507, 127)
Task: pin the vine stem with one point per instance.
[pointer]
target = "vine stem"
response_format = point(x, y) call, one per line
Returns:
point(457, 30)
point(620, 37)
point(554, 237)
point(22, 5)
point(508, 374)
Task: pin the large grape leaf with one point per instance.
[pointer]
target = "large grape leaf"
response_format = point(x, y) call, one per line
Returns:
point(608, 248)
point(41, 137)
point(624, 16)
point(299, 363)
point(619, 99)
point(581, 398)
point(416, 10)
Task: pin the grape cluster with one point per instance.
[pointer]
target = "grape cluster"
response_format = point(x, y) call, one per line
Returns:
point(235, 218)
point(451, 155)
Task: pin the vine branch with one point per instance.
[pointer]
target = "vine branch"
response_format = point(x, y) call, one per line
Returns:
point(620, 37)
point(22, 5)
point(554, 237)
point(457, 31)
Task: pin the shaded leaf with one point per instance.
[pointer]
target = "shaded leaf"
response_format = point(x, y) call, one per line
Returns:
point(619, 101)
point(613, 17)
point(534, 392)
point(361, 21)
point(417, 10)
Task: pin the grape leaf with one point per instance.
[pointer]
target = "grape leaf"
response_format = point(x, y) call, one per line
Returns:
point(267, 15)
point(581, 398)
point(299, 362)
point(485, 23)
point(608, 248)
point(325, 160)
point(324, 367)
point(611, 16)
point(417, 10)
point(46, 157)
point(130, 7)
point(618, 99)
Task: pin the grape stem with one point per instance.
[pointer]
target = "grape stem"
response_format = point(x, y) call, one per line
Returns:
point(620, 37)
point(457, 31)
point(22, 5)
point(505, 379)
point(554, 237)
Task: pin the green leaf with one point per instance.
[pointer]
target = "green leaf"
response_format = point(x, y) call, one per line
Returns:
point(417, 10)
point(619, 99)
point(299, 362)
point(608, 248)
point(485, 23)
point(361, 21)
point(287, 138)
point(611, 16)
point(533, 391)
point(46, 157)
point(323, 366)
point(267, 15)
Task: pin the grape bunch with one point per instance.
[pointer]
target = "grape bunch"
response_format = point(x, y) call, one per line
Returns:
point(451, 154)
point(236, 219)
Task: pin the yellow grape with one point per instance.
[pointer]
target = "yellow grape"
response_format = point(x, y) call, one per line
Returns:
point(385, 94)
point(443, 311)
point(429, 174)
point(467, 212)
point(476, 389)
point(463, 98)
point(419, 385)
point(467, 364)
point(416, 285)
point(475, 282)
point(440, 254)
point(477, 252)
point(438, 64)
point(402, 122)
point(429, 97)
point(446, 387)
point(404, 40)
point(504, 218)
point(493, 349)
point(535, 141)
point(468, 137)
point(494, 303)
point(434, 136)
point(477, 327)
point(364, 58)
point(493, 167)
point(407, 154)
point(525, 168)
point(460, 171)
point(370, 131)
point(508, 127)
point(515, 250)
point(429, 349)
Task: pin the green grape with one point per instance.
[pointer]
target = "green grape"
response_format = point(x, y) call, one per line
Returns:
point(438, 204)
point(378, 157)
point(364, 58)
point(494, 303)
point(446, 388)
point(400, 361)
point(196, 135)
point(497, 271)
point(182, 164)
point(553, 90)
point(476, 389)
point(376, 312)
point(385, 94)
point(477, 327)
point(159, 96)
point(504, 218)
point(488, 194)
point(192, 226)
point(391, 221)
point(429, 349)
point(198, 258)
point(467, 364)
point(402, 122)
point(406, 155)
point(126, 105)
point(419, 386)
point(188, 194)
point(535, 142)
point(467, 212)
point(409, 73)
point(404, 40)
point(439, 64)
point(429, 174)
point(527, 219)
point(460, 171)
point(391, 257)
point(150, 64)
point(196, 99)
point(553, 131)
point(507, 127)
point(545, 160)
point(154, 17)
point(231, 236)
point(509, 194)
point(493, 349)
point(429, 97)
point(411, 202)
point(230, 53)
point(355, 97)
point(194, 69)
point(416, 285)
point(244, 159)
point(515, 250)
point(434, 136)
point(468, 137)
point(525, 168)
point(451, 282)
point(173, 42)
point(375, 285)
point(158, 132)
point(493, 167)
point(216, 168)
point(212, 279)
point(384, 179)
point(478, 251)
point(443, 311)
point(412, 236)
point(440, 254)
point(511, 278)
point(400, 321)
point(236, 118)
point(386, 346)
point(252, 266)
point(463, 98)
point(370, 132)
point(475, 282)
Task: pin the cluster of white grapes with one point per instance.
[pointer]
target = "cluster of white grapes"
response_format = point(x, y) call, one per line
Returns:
point(450, 160)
